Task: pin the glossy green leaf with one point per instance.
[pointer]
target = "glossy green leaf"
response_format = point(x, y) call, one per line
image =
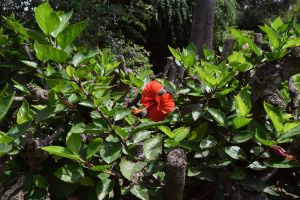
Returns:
point(61, 151)
point(242, 39)
point(235, 152)
point(291, 133)
point(181, 133)
point(277, 23)
point(82, 57)
point(140, 192)
point(243, 103)
point(219, 116)
point(292, 42)
point(272, 35)
point(100, 168)
point(94, 147)
point(103, 188)
point(5, 139)
point(29, 63)
point(49, 52)
point(129, 168)
point(239, 122)
point(175, 53)
point(166, 130)
point(46, 18)
point(121, 113)
point(276, 117)
point(147, 126)
point(208, 142)
point(64, 21)
point(110, 151)
point(24, 114)
point(69, 34)
point(141, 136)
point(153, 147)
point(73, 142)
point(70, 173)
point(5, 103)
point(242, 136)
point(261, 137)
point(199, 132)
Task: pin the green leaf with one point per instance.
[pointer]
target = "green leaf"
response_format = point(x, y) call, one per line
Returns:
point(64, 20)
point(277, 23)
point(24, 114)
point(69, 34)
point(242, 136)
point(3, 39)
point(141, 136)
point(29, 63)
point(70, 71)
point(40, 181)
point(13, 24)
point(121, 113)
point(153, 147)
point(262, 139)
point(5, 103)
point(4, 148)
point(239, 122)
point(110, 151)
point(235, 152)
point(129, 168)
point(100, 168)
point(276, 117)
point(291, 133)
point(242, 39)
point(70, 173)
point(175, 53)
point(5, 139)
point(20, 87)
point(45, 52)
point(140, 192)
point(80, 58)
point(208, 142)
point(292, 42)
point(147, 126)
point(272, 35)
point(103, 188)
point(199, 132)
point(94, 147)
point(281, 164)
point(61, 151)
point(166, 130)
point(181, 133)
point(189, 60)
point(46, 18)
point(219, 116)
point(296, 27)
point(243, 103)
point(73, 142)
point(238, 174)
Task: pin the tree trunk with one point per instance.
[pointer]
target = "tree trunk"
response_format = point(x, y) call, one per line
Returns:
point(203, 24)
point(175, 174)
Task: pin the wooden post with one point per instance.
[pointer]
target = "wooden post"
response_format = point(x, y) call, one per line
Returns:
point(175, 174)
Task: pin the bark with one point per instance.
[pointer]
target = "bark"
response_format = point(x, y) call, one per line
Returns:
point(203, 23)
point(175, 174)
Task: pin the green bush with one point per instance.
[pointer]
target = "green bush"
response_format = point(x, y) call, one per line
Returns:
point(78, 137)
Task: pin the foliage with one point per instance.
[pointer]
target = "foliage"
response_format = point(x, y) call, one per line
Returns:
point(225, 17)
point(84, 139)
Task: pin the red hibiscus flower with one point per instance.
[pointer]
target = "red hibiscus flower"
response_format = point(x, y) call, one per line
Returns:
point(157, 101)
